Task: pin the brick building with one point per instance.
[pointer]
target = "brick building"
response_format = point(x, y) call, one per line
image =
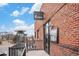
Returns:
point(58, 32)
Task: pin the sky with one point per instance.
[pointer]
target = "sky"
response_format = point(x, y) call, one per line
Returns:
point(18, 16)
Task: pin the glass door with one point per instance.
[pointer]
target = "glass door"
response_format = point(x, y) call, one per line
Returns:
point(47, 38)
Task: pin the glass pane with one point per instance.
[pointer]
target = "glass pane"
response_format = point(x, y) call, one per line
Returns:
point(53, 34)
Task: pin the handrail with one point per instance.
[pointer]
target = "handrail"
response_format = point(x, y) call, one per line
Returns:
point(24, 52)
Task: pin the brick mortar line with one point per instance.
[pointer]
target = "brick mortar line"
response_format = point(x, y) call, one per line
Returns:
point(67, 46)
point(53, 15)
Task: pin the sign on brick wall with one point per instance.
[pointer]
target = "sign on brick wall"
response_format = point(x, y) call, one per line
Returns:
point(38, 15)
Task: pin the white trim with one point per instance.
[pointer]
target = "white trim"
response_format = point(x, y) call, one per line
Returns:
point(39, 1)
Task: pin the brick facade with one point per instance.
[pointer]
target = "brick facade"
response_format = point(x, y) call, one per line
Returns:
point(66, 18)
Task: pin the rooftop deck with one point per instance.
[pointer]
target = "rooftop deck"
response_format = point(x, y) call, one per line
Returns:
point(36, 53)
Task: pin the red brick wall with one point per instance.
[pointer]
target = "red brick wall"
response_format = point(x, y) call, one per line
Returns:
point(61, 51)
point(39, 45)
point(68, 23)
point(50, 9)
point(67, 20)
point(39, 41)
point(39, 23)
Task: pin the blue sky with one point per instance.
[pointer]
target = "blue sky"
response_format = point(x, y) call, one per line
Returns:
point(6, 11)
point(15, 16)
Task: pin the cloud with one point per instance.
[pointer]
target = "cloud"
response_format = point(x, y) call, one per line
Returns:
point(15, 13)
point(21, 12)
point(35, 7)
point(30, 30)
point(3, 4)
point(21, 25)
point(18, 22)
point(24, 10)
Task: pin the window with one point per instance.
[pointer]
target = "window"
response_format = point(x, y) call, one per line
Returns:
point(37, 33)
point(54, 34)
point(46, 30)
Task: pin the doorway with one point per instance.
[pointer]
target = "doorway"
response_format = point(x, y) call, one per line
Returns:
point(47, 37)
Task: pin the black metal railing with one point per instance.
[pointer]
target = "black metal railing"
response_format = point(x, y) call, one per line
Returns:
point(24, 52)
point(21, 48)
point(17, 50)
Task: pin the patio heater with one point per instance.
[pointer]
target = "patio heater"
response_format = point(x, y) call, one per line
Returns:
point(20, 36)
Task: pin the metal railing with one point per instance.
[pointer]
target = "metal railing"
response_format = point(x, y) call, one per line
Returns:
point(21, 49)
point(17, 50)
point(24, 52)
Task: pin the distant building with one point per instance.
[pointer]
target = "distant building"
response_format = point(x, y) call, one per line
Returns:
point(58, 32)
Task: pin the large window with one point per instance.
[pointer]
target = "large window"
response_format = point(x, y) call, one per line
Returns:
point(46, 30)
point(53, 34)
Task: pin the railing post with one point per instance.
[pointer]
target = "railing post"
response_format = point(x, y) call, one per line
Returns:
point(9, 51)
